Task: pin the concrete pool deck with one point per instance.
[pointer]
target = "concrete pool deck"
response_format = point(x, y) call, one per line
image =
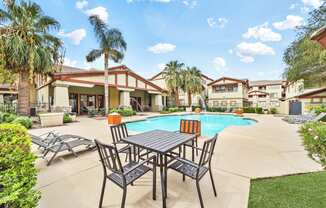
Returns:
point(268, 148)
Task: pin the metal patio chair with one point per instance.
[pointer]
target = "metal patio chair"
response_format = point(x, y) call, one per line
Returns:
point(123, 175)
point(118, 132)
point(197, 171)
point(191, 127)
point(66, 142)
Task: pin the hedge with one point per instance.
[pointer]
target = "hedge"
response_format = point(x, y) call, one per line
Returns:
point(253, 110)
point(18, 174)
point(314, 140)
point(13, 118)
point(124, 112)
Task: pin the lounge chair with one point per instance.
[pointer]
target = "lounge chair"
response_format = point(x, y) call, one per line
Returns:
point(299, 119)
point(62, 143)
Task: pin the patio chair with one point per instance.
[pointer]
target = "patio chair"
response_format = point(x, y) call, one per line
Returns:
point(61, 143)
point(120, 175)
point(299, 119)
point(191, 127)
point(197, 171)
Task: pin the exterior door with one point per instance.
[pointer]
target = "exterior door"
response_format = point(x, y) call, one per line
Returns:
point(295, 108)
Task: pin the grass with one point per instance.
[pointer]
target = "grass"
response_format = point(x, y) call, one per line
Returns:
point(297, 191)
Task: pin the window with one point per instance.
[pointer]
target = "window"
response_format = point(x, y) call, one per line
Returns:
point(262, 87)
point(224, 103)
point(250, 96)
point(226, 88)
point(233, 103)
point(262, 96)
point(215, 103)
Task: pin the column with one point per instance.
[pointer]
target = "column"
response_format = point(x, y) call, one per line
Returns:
point(125, 98)
point(61, 98)
point(157, 102)
point(1, 99)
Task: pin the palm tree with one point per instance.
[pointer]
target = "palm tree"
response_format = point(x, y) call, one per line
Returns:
point(173, 78)
point(27, 47)
point(192, 83)
point(112, 46)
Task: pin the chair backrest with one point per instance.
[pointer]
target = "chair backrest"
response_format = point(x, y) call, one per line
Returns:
point(118, 132)
point(319, 117)
point(207, 151)
point(190, 126)
point(109, 158)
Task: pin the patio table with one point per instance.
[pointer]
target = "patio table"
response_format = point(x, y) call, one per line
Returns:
point(160, 142)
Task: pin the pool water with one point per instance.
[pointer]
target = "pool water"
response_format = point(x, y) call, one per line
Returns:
point(211, 124)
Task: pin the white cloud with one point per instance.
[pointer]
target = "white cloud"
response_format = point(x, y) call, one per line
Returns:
point(220, 22)
point(247, 51)
point(262, 33)
point(161, 66)
point(100, 11)
point(293, 6)
point(190, 3)
point(162, 48)
point(290, 22)
point(81, 4)
point(219, 63)
point(69, 62)
point(313, 3)
point(75, 36)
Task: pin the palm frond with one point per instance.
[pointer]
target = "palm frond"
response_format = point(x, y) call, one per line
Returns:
point(116, 55)
point(47, 23)
point(99, 27)
point(94, 54)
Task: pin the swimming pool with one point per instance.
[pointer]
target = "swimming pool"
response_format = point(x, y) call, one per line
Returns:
point(211, 124)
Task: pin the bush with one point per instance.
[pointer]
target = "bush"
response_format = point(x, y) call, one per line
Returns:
point(273, 111)
point(314, 140)
point(92, 113)
point(8, 117)
point(249, 110)
point(259, 110)
point(18, 174)
point(124, 111)
point(24, 121)
point(216, 109)
point(67, 118)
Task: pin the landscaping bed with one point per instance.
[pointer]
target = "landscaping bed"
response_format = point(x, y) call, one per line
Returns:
point(297, 191)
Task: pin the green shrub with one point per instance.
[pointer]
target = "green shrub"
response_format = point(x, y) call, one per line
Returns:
point(92, 113)
point(101, 111)
point(273, 111)
point(216, 109)
point(67, 118)
point(249, 110)
point(259, 110)
point(10, 118)
point(123, 112)
point(18, 174)
point(23, 120)
point(314, 140)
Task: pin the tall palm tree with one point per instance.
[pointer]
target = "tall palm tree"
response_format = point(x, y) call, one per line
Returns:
point(173, 78)
point(112, 46)
point(192, 83)
point(27, 47)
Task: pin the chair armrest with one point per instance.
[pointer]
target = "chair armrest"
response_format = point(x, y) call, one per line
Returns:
point(188, 162)
point(141, 163)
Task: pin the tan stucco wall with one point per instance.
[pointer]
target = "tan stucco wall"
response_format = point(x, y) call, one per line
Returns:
point(43, 95)
point(85, 90)
point(114, 98)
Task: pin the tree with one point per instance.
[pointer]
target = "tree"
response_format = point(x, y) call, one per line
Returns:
point(192, 82)
point(27, 48)
point(173, 78)
point(112, 46)
point(306, 59)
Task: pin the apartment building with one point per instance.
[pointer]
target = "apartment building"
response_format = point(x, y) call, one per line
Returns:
point(228, 92)
point(266, 94)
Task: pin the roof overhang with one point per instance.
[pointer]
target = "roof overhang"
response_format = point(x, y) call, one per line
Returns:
point(320, 36)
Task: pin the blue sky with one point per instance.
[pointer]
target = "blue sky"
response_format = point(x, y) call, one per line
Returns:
point(241, 39)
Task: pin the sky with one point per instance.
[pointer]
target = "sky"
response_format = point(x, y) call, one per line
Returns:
point(235, 38)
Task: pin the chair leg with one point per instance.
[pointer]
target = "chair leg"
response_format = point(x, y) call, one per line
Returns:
point(199, 194)
point(102, 192)
point(193, 151)
point(184, 157)
point(213, 184)
point(124, 197)
point(196, 146)
point(53, 156)
point(154, 180)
